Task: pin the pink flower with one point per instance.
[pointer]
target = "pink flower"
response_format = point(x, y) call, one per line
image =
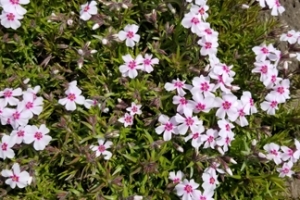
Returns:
point(276, 7)
point(291, 36)
point(193, 21)
point(5, 147)
point(14, 6)
point(131, 66)
point(273, 152)
point(87, 10)
point(178, 85)
point(210, 138)
point(201, 103)
point(187, 189)
point(264, 68)
point(228, 105)
point(208, 46)
point(202, 84)
point(201, 10)
point(225, 139)
point(242, 111)
point(224, 85)
point(16, 177)
point(148, 62)
point(32, 91)
point(263, 52)
point(187, 122)
point(101, 149)
point(248, 103)
point(11, 19)
point(134, 109)
point(176, 177)
point(286, 170)
point(18, 116)
point(73, 97)
point(224, 70)
point(9, 95)
point(184, 106)
point(17, 135)
point(281, 90)
point(39, 136)
point(210, 181)
point(214, 168)
point(196, 137)
point(168, 127)
point(271, 104)
point(206, 195)
point(32, 104)
point(130, 35)
point(127, 120)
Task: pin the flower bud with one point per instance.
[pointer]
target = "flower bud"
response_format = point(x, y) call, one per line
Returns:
point(106, 110)
point(26, 81)
point(172, 9)
point(95, 26)
point(292, 55)
point(254, 142)
point(104, 41)
point(70, 22)
point(228, 170)
point(220, 150)
point(93, 51)
point(232, 161)
point(136, 197)
point(80, 52)
point(124, 6)
point(261, 155)
point(245, 6)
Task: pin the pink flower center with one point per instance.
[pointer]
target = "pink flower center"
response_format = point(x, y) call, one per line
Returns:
point(178, 84)
point(201, 11)
point(285, 170)
point(289, 35)
point(20, 133)
point(130, 34)
point(95, 102)
point(227, 140)
point(183, 101)
point(188, 189)
point(86, 8)
point(132, 64)
point(265, 50)
point(226, 105)
point(71, 96)
point(147, 61)
point(290, 152)
point(101, 148)
point(4, 147)
point(134, 109)
point(189, 121)
point(241, 113)
point(273, 104)
point(195, 20)
point(204, 86)
point(273, 78)
point(220, 79)
point(169, 126)
point(226, 69)
point(212, 180)
point(264, 69)
point(208, 31)
point(29, 105)
point(277, 3)
point(208, 45)
point(14, 2)
point(227, 126)
point(210, 139)
point(15, 178)
point(274, 152)
point(196, 136)
point(7, 93)
point(10, 17)
point(128, 119)
point(16, 115)
point(280, 90)
point(251, 102)
point(176, 180)
point(38, 135)
point(202, 198)
point(200, 106)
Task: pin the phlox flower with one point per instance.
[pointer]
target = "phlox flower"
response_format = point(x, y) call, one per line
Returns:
point(228, 105)
point(272, 79)
point(271, 104)
point(196, 137)
point(201, 10)
point(224, 140)
point(101, 149)
point(32, 91)
point(87, 10)
point(16, 177)
point(224, 85)
point(168, 127)
point(88, 103)
point(176, 177)
point(201, 103)
point(187, 122)
point(263, 52)
point(281, 90)
point(10, 19)
point(32, 104)
point(18, 116)
point(130, 35)
point(177, 85)
point(17, 135)
point(209, 138)
point(276, 7)
point(286, 170)
point(214, 168)
point(10, 95)
point(206, 195)
point(210, 181)
point(73, 97)
point(193, 21)
point(248, 103)
point(208, 46)
point(291, 36)
point(224, 70)
point(273, 152)
point(208, 33)
point(39, 136)
point(184, 106)
point(14, 6)
point(134, 109)
point(264, 68)
point(148, 62)
point(5, 147)
point(187, 189)
point(130, 67)
point(202, 84)
point(127, 120)
point(242, 112)
point(200, 2)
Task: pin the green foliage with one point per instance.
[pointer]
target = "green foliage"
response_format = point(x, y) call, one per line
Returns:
point(46, 52)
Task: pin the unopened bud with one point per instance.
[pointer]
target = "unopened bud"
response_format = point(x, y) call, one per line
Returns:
point(80, 64)
point(106, 110)
point(254, 142)
point(96, 26)
point(93, 51)
point(292, 55)
point(29, 180)
point(104, 41)
point(220, 150)
point(172, 9)
point(245, 6)
point(228, 170)
point(136, 197)
point(124, 6)
point(72, 13)
point(119, 100)
point(55, 71)
point(235, 88)
point(80, 52)
point(232, 161)
point(285, 65)
point(70, 22)
point(26, 81)
point(206, 69)
point(261, 155)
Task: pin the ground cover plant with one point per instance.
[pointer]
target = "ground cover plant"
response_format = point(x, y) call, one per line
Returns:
point(146, 100)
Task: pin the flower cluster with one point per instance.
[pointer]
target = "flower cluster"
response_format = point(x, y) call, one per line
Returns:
point(282, 155)
point(12, 13)
point(127, 119)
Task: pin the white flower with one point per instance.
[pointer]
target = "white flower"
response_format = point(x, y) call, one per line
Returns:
point(10, 19)
point(148, 62)
point(273, 152)
point(127, 120)
point(16, 177)
point(37, 135)
point(134, 109)
point(187, 189)
point(10, 95)
point(176, 177)
point(87, 10)
point(286, 169)
point(33, 104)
point(130, 67)
point(168, 127)
point(178, 85)
point(210, 181)
point(130, 35)
point(101, 149)
point(14, 6)
point(5, 147)
point(17, 135)
point(73, 96)
point(18, 116)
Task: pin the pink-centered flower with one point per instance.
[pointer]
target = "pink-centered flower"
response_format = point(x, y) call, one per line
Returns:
point(208, 46)
point(201, 103)
point(286, 170)
point(205, 195)
point(148, 63)
point(168, 127)
point(227, 106)
point(176, 177)
point(10, 19)
point(8, 96)
point(248, 103)
point(17, 116)
point(101, 149)
point(200, 10)
point(14, 6)
point(5, 147)
point(209, 138)
point(87, 10)
point(187, 189)
point(270, 105)
point(196, 137)
point(134, 109)
point(127, 120)
point(184, 106)
point(224, 140)
point(32, 104)
point(291, 36)
point(203, 85)
point(38, 135)
point(130, 67)
point(130, 35)
point(16, 177)
point(187, 122)
point(73, 97)
point(193, 21)
point(17, 135)
point(273, 152)
point(210, 181)
point(177, 85)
